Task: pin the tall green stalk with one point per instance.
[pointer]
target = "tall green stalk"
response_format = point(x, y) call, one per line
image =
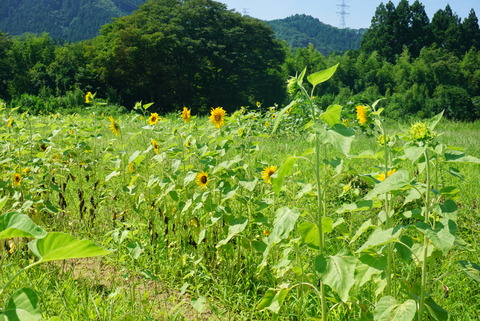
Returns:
point(425, 240)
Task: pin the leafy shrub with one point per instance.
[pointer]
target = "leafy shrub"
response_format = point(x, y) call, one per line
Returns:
point(455, 101)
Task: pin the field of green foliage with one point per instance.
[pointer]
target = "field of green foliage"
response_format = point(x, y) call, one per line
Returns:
point(267, 213)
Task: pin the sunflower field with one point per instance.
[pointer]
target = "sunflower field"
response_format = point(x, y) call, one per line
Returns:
point(302, 212)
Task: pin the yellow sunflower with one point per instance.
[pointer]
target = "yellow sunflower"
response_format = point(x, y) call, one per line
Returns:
point(268, 172)
point(217, 116)
point(381, 177)
point(186, 115)
point(89, 98)
point(202, 179)
point(114, 127)
point(10, 122)
point(362, 115)
point(131, 167)
point(153, 119)
point(16, 179)
point(155, 146)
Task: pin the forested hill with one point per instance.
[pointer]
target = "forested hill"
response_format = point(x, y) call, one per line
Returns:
point(301, 30)
point(70, 20)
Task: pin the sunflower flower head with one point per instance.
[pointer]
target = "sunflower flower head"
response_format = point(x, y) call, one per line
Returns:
point(155, 146)
point(89, 97)
point(268, 172)
point(383, 139)
point(202, 179)
point(153, 119)
point(186, 115)
point(217, 116)
point(420, 132)
point(362, 114)
point(114, 127)
point(16, 179)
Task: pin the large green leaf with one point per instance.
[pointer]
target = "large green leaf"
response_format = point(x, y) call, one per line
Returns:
point(435, 311)
point(280, 115)
point(15, 224)
point(322, 76)
point(22, 306)
point(388, 309)
point(342, 137)
point(471, 269)
point(273, 299)
point(285, 219)
point(309, 234)
point(381, 237)
point(456, 156)
point(367, 267)
point(398, 180)
point(443, 237)
point(60, 246)
point(337, 272)
point(332, 115)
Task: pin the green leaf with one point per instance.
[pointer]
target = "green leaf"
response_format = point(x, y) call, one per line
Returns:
point(381, 237)
point(435, 311)
point(282, 172)
point(22, 306)
point(285, 219)
point(15, 224)
point(112, 174)
point(443, 237)
point(237, 226)
point(455, 156)
point(322, 76)
point(413, 152)
point(367, 267)
point(388, 309)
point(273, 299)
point(309, 234)
point(60, 246)
point(200, 304)
point(337, 272)
point(342, 137)
point(432, 123)
point(471, 269)
point(363, 205)
point(332, 115)
point(280, 115)
point(398, 180)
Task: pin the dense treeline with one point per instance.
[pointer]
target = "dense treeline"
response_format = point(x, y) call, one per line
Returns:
point(172, 52)
point(301, 30)
point(66, 20)
point(196, 53)
point(407, 26)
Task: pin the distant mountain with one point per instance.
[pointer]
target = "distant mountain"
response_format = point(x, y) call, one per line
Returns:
point(70, 20)
point(301, 30)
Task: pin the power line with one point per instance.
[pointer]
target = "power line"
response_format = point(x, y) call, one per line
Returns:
point(343, 13)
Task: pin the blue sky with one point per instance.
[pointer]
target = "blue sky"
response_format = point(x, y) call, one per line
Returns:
point(360, 11)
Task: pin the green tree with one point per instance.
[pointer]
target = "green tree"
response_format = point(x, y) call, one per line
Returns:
point(194, 53)
point(5, 65)
point(446, 30)
point(470, 31)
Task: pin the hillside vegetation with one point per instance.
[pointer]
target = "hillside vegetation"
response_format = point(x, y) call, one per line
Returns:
point(68, 20)
point(301, 30)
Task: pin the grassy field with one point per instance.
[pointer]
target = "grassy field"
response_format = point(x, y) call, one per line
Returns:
point(220, 219)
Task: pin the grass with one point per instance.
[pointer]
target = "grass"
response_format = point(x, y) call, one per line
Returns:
point(183, 252)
